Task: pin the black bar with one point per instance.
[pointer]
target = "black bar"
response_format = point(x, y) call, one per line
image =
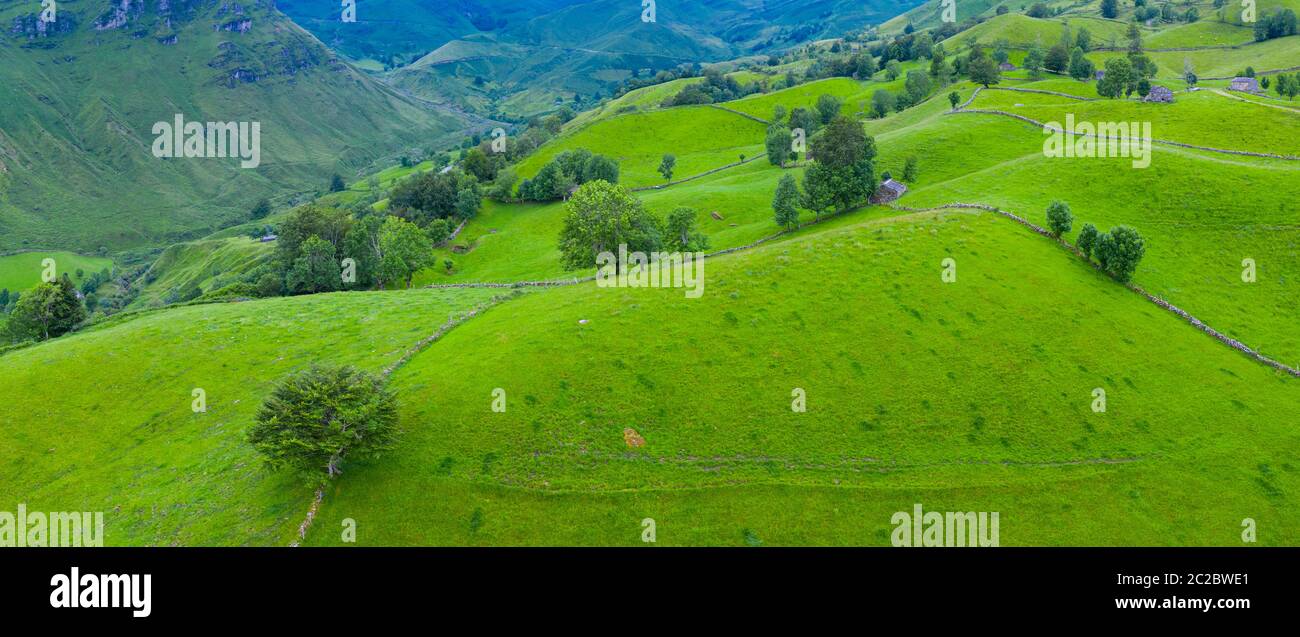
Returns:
point(230, 586)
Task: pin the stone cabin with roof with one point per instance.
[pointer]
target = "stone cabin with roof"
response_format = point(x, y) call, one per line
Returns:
point(888, 191)
point(1159, 94)
point(1244, 84)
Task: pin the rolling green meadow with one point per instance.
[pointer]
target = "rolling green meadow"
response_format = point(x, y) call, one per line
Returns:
point(23, 270)
point(973, 394)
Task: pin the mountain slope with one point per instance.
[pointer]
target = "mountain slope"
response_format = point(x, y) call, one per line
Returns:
point(537, 51)
point(76, 167)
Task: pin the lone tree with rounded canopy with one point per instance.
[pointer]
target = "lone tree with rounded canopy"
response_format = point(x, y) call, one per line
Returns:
point(47, 310)
point(1119, 252)
point(598, 218)
point(316, 418)
point(1059, 218)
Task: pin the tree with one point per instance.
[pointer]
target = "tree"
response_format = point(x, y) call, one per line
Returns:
point(1000, 52)
point(802, 118)
point(784, 202)
point(1109, 9)
point(682, 234)
point(1287, 86)
point(778, 144)
point(843, 174)
point(467, 203)
point(828, 106)
point(954, 98)
point(330, 224)
point(316, 418)
point(1059, 219)
point(336, 183)
point(893, 69)
point(1134, 35)
point(1058, 59)
point(47, 310)
point(1080, 67)
point(1119, 252)
point(917, 85)
point(405, 250)
point(1034, 62)
point(600, 217)
point(984, 71)
point(865, 66)
point(549, 184)
point(477, 163)
point(316, 270)
point(667, 165)
point(882, 102)
point(1119, 74)
point(1143, 87)
point(1087, 240)
point(600, 167)
point(269, 285)
point(910, 169)
point(261, 210)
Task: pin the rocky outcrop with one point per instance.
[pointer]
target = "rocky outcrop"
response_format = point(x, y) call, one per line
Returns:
point(32, 27)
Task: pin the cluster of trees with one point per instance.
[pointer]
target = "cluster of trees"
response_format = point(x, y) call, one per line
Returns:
point(716, 87)
point(489, 160)
point(1118, 251)
point(43, 312)
point(1287, 86)
point(1278, 23)
point(601, 216)
point(316, 240)
point(325, 249)
point(568, 169)
point(1125, 76)
point(841, 176)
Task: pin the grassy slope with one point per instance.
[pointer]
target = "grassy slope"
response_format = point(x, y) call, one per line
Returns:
point(1280, 53)
point(1269, 130)
point(702, 138)
point(997, 369)
point(23, 270)
point(185, 266)
point(77, 148)
point(101, 421)
point(1201, 214)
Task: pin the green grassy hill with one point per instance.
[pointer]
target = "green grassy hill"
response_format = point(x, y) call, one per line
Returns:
point(702, 138)
point(203, 265)
point(23, 270)
point(971, 395)
point(75, 155)
point(103, 420)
